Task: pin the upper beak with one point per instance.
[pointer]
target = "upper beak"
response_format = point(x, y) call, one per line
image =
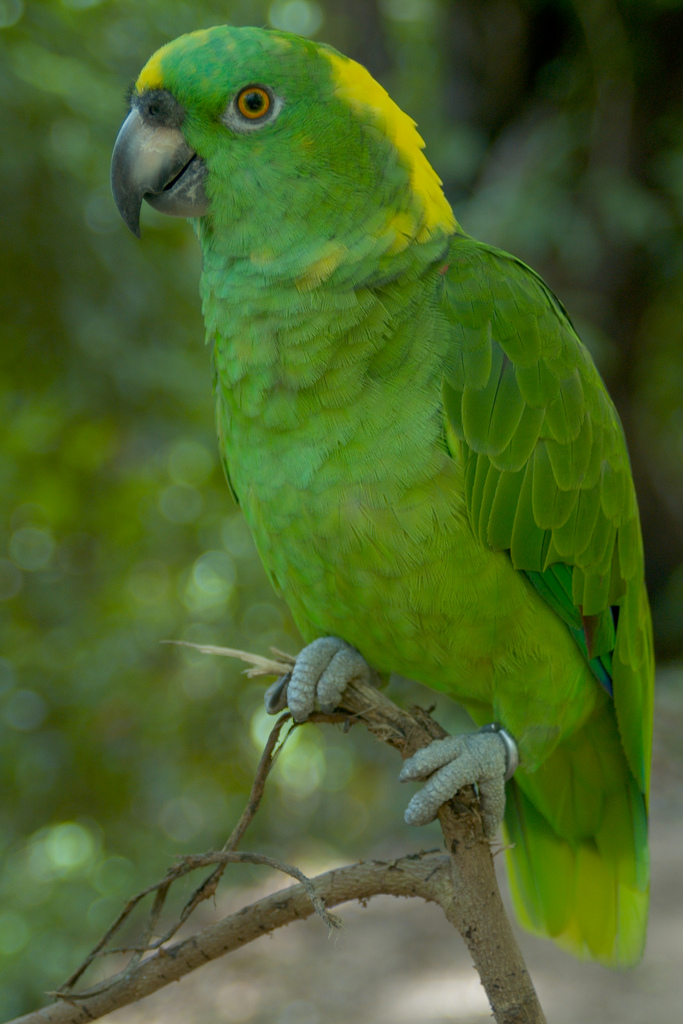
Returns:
point(154, 163)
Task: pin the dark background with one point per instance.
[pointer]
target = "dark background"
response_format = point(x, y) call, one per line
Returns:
point(557, 128)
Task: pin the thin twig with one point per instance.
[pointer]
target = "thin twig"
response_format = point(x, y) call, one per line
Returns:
point(260, 666)
point(161, 889)
point(269, 756)
point(192, 862)
point(208, 887)
point(237, 857)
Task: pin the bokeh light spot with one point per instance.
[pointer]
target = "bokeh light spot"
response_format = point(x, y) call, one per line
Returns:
point(10, 12)
point(211, 582)
point(31, 548)
point(69, 846)
point(302, 17)
point(302, 768)
point(261, 617)
point(25, 710)
point(189, 463)
point(180, 503)
point(237, 538)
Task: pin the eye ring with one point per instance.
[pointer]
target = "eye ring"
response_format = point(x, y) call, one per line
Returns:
point(252, 108)
point(253, 102)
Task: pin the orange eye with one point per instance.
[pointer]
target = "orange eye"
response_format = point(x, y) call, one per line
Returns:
point(253, 102)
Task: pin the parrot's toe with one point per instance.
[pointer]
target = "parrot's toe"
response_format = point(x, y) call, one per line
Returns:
point(485, 759)
point(322, 671)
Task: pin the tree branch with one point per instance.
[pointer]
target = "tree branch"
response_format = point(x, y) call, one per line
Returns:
point(464, 884)
point(427, 876)
point(474, 905)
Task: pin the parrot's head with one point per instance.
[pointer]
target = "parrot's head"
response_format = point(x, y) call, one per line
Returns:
point(272, 142)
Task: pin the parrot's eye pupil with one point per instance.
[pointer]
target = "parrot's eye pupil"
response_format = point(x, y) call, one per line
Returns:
point(253, 102)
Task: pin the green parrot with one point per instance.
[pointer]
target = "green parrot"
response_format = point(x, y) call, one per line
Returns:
point(429, 462)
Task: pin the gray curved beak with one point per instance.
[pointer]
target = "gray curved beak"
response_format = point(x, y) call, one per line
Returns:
point(154, 163)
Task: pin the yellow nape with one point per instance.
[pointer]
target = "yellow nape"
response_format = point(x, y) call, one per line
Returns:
point(360, 90)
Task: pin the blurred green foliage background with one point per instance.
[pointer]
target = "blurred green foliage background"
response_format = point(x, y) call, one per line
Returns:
point(557, 126)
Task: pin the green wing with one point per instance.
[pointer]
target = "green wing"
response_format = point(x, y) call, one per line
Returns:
point(547, 478)
point(547, 472)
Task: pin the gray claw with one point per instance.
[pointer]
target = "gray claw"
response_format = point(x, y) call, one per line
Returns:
point(322, 671)
point(275, 696)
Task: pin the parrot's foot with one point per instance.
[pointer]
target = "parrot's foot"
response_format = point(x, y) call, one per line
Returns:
point(321, 673)
point(485, 759)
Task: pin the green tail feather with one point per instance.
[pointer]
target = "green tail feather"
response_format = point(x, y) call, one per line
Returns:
point(579, 868)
